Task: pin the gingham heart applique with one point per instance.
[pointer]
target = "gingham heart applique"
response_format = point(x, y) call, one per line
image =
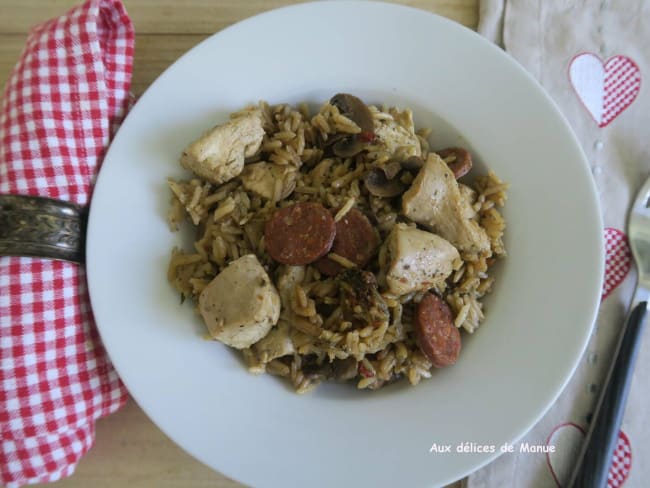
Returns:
point(621, 462)
point(567, 439)
point(618, 260)
point(605, 89)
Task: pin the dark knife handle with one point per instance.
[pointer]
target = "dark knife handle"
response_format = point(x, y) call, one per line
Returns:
point(42, 227)
point(593, 463)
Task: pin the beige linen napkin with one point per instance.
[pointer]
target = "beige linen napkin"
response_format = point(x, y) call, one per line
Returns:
point(592, 57)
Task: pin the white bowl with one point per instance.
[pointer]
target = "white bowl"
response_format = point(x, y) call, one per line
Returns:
point(254, 428)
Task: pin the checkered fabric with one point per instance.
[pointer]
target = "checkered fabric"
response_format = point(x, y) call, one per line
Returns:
point(64, 99)
point(622, 85)
point(618, 260)
point(621, 462)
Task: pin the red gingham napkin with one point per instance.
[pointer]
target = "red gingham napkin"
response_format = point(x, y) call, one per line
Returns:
point(66, 95)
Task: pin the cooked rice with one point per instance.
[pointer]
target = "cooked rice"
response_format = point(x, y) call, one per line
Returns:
point(230, 222)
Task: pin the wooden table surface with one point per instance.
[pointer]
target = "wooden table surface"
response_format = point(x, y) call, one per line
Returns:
point(130, 450)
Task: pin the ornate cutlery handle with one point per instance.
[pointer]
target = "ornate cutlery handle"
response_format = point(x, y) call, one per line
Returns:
point(42, 227)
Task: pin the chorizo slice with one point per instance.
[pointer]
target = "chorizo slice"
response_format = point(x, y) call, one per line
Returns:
point(356, 240)
point(435, 333)
point(462, 163)
point(299, 234)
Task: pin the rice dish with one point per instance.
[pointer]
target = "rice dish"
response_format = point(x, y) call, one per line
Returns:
point(336, 245)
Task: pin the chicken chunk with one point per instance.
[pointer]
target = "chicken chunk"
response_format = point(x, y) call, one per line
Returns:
point(393, 136)
point(240, 305)
point(275, 344)
point(434, 200)
point(219, 154)
point(468, 196)
point(418, 260)
point(184, 193)
point(261, 178)
point(288, 278)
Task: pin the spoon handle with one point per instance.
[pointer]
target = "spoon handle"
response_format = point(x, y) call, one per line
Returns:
point(593, 463)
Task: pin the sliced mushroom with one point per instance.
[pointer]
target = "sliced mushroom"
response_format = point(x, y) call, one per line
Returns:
point(379, 185)
point(392, 169)
point(344, 369)
point(382, 181)
point(348, 147)
point(338, 370)
point(458, 159)
point(354, 109)
point(361, 301)
point(413, 164)
point(331, 139)
point(357, 111)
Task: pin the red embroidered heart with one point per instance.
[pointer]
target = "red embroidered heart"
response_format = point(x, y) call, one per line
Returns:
point(605, 89)
point(567, 439)
point(618, 260)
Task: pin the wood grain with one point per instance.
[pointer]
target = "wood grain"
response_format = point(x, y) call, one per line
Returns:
point(196, 16)
point(129, 449)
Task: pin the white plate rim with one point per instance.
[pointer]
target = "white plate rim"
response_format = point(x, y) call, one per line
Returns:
point(596, 286)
